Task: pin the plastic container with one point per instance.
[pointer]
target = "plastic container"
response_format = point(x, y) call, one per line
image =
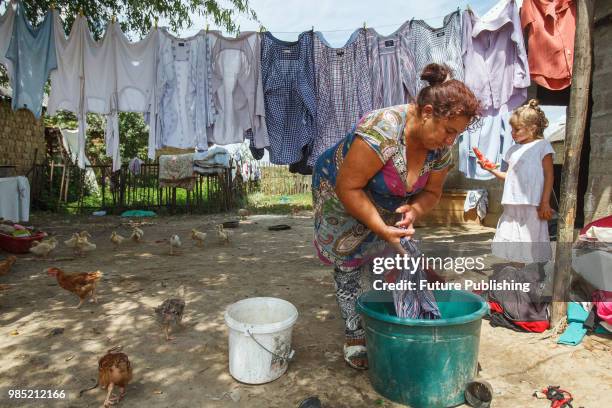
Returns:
point(260, 338)
point(19, 245)
point(423, 363)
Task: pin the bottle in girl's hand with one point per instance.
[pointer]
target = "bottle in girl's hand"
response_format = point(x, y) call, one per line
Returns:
point(522, 230)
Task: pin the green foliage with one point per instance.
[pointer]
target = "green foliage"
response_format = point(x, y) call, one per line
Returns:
point(139, 16)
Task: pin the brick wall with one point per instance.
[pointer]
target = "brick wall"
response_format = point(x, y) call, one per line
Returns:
point(598, 198)
point(20, 135)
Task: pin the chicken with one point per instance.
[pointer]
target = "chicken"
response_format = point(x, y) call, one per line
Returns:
point(114, 369)
point(85, 246)
point(7, 264)
point(84, 234)
point(81, 284)
point(169, 313)
point(243, 213)
point(175, 242)
point(137, 234)
point(50, 241)
point(116, 239)
point(198, 236)
point(72, 242)
point(222, 234)
point(42, 248)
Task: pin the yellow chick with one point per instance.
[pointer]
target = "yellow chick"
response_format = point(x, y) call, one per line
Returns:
point(175, 242)
point(222, 234)
point(41, 248)
point(137, 234)
point(243, 213)
point(116, 239)
point(198, 237)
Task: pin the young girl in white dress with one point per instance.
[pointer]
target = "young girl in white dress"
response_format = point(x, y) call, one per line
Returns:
point(522, 230)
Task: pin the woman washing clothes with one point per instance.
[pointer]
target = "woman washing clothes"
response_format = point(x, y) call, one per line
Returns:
point(387, 172)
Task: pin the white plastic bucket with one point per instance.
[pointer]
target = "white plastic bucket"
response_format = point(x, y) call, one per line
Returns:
point(260, 338)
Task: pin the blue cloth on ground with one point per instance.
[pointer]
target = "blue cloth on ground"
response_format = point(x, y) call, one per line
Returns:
point(576, 316)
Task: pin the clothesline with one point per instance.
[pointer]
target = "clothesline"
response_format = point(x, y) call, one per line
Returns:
point(353, 28)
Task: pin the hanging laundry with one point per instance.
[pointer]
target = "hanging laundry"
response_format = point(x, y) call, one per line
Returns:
point(183, 106)
point(427, 45)
point(32, 53)
point(135, 67)
point(388, 56)
point(494, 56)
point(237, 89)
point(493, 138)
point(68, 80)
point(287, 71)
point(343, 89)
point(6, 30)
point(550, 27)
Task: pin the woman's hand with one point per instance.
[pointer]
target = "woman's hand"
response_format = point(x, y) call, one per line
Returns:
point(545, 212)
point(408, 216)
point(393, 234)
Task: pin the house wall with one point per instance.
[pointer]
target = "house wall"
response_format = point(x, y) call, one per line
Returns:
point(598, 197)
point(20, 135)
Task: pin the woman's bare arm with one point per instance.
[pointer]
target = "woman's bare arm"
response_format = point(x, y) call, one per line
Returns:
point(359, 166)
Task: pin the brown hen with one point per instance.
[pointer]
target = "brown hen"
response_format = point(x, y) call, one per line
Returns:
point(81, 284)
point(114, 369)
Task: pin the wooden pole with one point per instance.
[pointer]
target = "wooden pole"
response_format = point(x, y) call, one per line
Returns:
point(576, 123)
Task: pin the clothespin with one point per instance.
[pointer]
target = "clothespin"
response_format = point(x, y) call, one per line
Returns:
point(207, 28)
point(261, 29)
point(312, 29)
point(52, 6)
point(155, 23)
point(81, 12)
point(114, 19)
point(364, 25)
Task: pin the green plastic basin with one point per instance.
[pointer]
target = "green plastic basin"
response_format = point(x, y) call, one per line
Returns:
point(423, 363)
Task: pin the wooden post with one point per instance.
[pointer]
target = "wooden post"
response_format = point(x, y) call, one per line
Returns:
point(576, 123)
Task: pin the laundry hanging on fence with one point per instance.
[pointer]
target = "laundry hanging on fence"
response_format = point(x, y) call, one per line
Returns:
point(32, 54)
point(176, 171)
point(6, 30)
point(287, 70)
point(237, 89)
point(343, 89)
point(550, 27)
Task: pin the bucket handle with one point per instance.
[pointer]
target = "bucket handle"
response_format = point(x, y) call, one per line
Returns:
point(287, 359)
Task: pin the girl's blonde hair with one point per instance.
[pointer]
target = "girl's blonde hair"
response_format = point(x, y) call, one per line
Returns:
point(530, 115)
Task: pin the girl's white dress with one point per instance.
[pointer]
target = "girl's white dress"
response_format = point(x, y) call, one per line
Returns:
point(521, 236)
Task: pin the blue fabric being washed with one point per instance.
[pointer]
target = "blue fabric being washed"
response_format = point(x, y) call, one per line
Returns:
point(32, 51)
point(417, 303)
point(287, 70)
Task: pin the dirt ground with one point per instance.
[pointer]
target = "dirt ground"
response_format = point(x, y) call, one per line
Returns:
point(192, 370)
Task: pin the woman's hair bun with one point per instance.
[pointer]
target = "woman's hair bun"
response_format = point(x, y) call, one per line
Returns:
point(435, 74)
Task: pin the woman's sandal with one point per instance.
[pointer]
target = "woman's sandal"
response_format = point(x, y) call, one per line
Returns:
point(356, 356)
